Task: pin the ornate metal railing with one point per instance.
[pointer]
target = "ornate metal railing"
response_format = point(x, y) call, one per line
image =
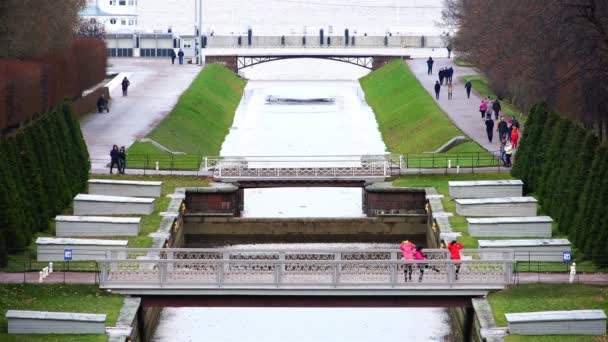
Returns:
point(209, 268)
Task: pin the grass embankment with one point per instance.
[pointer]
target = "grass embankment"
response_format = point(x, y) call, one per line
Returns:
point(66, 298)
point(200, 120)
point(483, 88)
point(461, 62)
point(548, 297)
point(26, 260)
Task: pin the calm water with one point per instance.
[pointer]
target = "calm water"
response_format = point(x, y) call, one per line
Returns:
point(345, 128)
point(291, 17)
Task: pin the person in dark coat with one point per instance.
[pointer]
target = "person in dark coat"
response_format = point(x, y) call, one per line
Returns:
point(122, 160)
point(180, 54)
point(515, 123)
point(125, 86)
point(449, 48)
point(437, 89)
point(502, 128)
point(450, 74)
point(441, 75)
point(496, 107)
point(468, 87)
point(429, 63)
point(173, 56)
point(102, 104)
point(114, 157)
point(489, 127)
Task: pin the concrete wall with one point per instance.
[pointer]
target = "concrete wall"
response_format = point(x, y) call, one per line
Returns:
point(406, 201)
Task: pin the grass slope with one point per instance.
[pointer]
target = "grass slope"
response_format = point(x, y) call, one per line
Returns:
point(68, 298)
point(203, 115)
point(548, 297)
point(409, 119)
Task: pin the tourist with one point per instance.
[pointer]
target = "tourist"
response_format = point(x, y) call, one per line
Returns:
point(508, 153)
point(502, 128)
point(449, 48)
point(441, 75)
point(489, 127)
point(407, 249)
point(483, 108)
point(419, 256)
point(450, 89)
point(437, 90)
point(102, 104)
point(125, 86)
point(454, 247)
point(429, 63)
point(173, 56)
point(180, 54)
point(114, 156)
point(468, 87)
point(490, 110)
point(514, 122)
point(122, 160)
point(503, 149)
point(496, 107)
point(450, 74)
point(514, 136)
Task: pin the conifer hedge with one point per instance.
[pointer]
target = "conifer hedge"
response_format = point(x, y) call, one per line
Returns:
point(43, 166)
point(563, 164)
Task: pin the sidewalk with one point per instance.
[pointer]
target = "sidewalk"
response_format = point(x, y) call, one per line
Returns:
point(462, 111)
point(54, 278)
point(564, 278)
point(156, 85)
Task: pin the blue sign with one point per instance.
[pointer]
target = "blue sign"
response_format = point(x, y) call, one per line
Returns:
point(67, 255)
point(567, 257)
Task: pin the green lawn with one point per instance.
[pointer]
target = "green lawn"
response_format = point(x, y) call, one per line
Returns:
point(461, 62)
point(27, 259)
point(481, 86)
point(68, 298)
point(143, 155)
point(408, 117)
point(548, 297)
point(203, 115)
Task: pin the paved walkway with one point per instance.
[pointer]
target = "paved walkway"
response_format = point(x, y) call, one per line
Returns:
point(462, 111)
point(155, 88)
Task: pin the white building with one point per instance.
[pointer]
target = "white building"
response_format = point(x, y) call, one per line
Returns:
point(118, 16)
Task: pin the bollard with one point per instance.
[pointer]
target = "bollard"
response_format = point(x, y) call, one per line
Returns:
point(572, 272)
point(40, 277)
point(457, 168)
point(157, 166)
point(449, 163)
point(45, 272)
point(50, 267)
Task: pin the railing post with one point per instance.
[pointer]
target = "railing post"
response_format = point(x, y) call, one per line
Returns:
point(508, 272)
point(162, 273)
point(450, 272)
point(220, 272)
point(393, 270)
point(104, 273)
point(170, 257)
point(206, 164)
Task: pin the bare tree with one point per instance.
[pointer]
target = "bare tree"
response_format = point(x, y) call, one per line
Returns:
point(91, 29)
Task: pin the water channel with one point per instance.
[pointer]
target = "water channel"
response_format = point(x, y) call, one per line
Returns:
point(345, 126)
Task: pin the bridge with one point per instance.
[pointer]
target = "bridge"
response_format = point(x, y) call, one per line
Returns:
point(178, 272)
point(238, 59)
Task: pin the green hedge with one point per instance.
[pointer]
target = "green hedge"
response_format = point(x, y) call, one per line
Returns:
point(566, 167)
point(43, 166)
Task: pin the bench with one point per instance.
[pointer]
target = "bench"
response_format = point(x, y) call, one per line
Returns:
point(44, 322)
point(66, 226)
point(52, 249)
point(112, 187)
point(497, 207)
point(575, 322)
point(548, 250)
point(112, 205)
point(486, 189)
point(534, 226)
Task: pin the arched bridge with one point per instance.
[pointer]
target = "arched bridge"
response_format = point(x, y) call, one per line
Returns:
point(238, 60)
point(303, 273)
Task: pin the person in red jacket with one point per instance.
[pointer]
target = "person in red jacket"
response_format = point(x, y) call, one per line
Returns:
point(454, 247)
point(514, 136)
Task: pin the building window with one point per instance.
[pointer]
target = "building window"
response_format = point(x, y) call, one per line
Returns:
point(123, 22)
point(112, 2)
point(113, 21)
point(131, 21)
point(122, 2)
point(131, 2)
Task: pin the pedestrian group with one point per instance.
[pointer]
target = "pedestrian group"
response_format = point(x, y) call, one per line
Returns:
point(118, 157)
point(410, 252)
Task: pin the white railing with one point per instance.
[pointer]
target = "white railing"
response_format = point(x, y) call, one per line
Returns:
point(217, 268)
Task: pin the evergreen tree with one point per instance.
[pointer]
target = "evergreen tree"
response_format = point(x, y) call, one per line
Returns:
point(537, 158)
point(84, 164)
point(11, 209)
point(553, 157)
point(57, 146)
point(18, 238)
point(529, 145)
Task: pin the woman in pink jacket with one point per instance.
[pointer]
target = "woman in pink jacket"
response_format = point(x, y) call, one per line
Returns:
point(483, 108)
point(407, 249)
point(419, 255)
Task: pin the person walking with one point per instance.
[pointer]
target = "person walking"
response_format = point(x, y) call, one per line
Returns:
point(497, 108)
point(450, 74)
point(419, 256)
point(489, 127)
point(503, 151)
point(514, 136)
point(180, 55)
point(173, 56)
point(508, 153)
point(441, 75)
point(407, 249)
point(429, 63)
point(114, 155)
point(468, 87)
point(502, 128)
point(102, 104)
point(125, 86)
point(449, 48)
point(483, 108)
point(454, 247)
point(122, 160)
point(450, 89)
point(437, 90)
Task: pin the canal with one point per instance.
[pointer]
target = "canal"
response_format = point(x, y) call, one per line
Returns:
point(343, 126)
